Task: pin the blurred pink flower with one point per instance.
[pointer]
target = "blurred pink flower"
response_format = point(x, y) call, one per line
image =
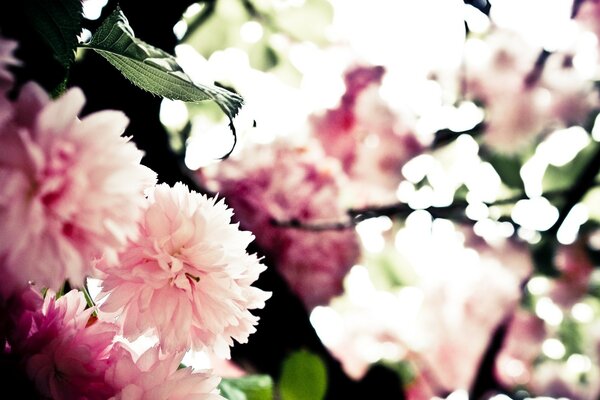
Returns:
point(573, 97)
point(72, 189)
point(7, 47)
point(576, 270)
point(514, 118)
point(521, 346)
point(497, 75)
point(225, 368)
point(373, 326)
point(187, 277)
point(156, 378)
point(284, 183)
point(64, 352)
point(335, 129)
point(371, 141)
point(420, 389)
point(459, 317)
point(556, 379)
point(589, 16)
point(315, 263)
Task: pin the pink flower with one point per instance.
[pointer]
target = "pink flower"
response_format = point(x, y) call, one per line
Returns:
point(153, 378)
point(72, 189)
point(475, 304)
point(284, 183)
point(335, 128)
point(556, 379)
point(589, 16)
point(514, 118)
point(6, 78)
point(370, 140)
point(497, 75)
point(576, 270)
point(187, 277)
point(315, 263)
point(522, 345)
point(362, 330)
point(63, 351)
point(573, 96)
point(7, 47)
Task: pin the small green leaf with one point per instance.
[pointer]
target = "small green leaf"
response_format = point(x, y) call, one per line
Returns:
point(252, 387)
point(571, 335)
point(153, 69)
point(304, 377)
point(557, 178)
point(231, 392)
point(58, 22)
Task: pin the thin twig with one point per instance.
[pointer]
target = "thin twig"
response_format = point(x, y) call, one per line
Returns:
point(447, 136)
point(454, 211)
point(535, 74)
point(88, 296)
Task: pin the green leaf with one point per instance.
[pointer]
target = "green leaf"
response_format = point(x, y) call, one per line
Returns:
point(304, 377)
point(58, 22)
point(155, 70)
point(508, 168)
point(251, 387)
point(557, 178)
point(571, 335)
point(231, 392)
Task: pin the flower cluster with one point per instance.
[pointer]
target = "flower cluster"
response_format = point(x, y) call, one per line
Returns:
point(77, 203)
point(356, 152)
point(285, 183)
point(184, 274)
point(371, 141)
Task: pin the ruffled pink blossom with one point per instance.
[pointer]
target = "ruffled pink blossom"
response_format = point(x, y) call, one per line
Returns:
point(72, 189)
point(63, 351)
point(156, 378)
point(370, 140)
point(187, 277)
point(284, 183)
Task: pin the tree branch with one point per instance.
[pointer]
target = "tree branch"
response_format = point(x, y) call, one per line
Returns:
point(454, 211)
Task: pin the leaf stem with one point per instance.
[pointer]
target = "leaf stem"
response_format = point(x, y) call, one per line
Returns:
point(88, 297)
